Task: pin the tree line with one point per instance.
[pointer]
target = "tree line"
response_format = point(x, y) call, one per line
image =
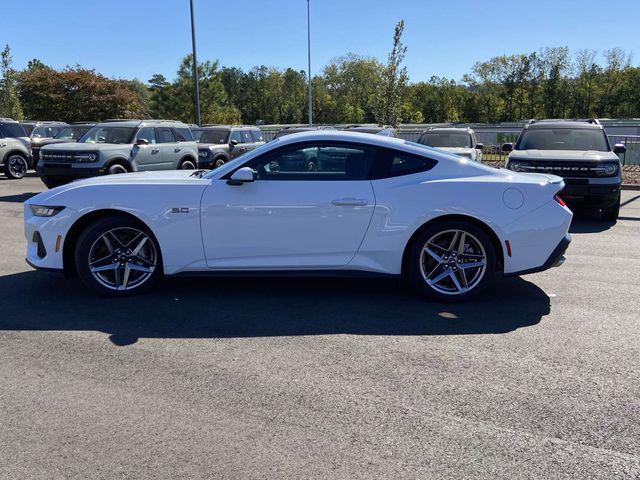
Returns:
point(551, 83)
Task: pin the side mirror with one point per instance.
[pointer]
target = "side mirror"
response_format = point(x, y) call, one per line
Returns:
point(242, 175)
point(479, 146)
point(233, 143)
point(507, 147)
point(619, 148)
point(142, 141)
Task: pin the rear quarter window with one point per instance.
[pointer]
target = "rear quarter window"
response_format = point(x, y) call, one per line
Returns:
point(183, 134)
point(394, 163)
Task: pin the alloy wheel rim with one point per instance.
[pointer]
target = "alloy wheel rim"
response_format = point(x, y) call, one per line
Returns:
point(17, 166)
point(187, 166)
point(453, 262)
point(122, 258)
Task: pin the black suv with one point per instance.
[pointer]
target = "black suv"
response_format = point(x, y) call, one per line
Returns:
point(578, 151)
point(67, 134)
point(217, 144)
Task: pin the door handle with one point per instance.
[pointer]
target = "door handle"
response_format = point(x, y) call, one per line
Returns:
point(242, 149)
point(349, 202)
point(3, 144)
point(177, 149)
point(154, 151)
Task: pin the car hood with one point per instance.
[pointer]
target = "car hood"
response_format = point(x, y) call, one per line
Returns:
point(212, 146)
point(165, 177)
point(52, 141)
point(86, 147)
point(569, 155)
point(457, 150)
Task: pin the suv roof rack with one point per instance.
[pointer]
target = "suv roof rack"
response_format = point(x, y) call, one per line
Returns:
point(45, 122)
point(4, 119)
point(592, 121)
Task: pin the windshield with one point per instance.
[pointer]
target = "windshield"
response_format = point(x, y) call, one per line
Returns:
point(108, 134)
point(563, 139)
point(72, 133)
point(13, 130)
point(28, 128)
point(442, 139)
point(211, 136)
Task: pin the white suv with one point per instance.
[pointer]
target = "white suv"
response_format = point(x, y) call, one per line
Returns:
point(459, 141)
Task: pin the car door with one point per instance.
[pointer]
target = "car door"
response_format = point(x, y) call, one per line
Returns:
point(237, 149)
point(290, 217)
point(170, 153)
point(146, 157)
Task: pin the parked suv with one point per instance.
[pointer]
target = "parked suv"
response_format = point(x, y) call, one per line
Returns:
point(460, 141)
point(38, 129)
point(120, 146)
point(385, 130)
point(15, 153)
point(578, 151)
point(68, 134)
point(217, 144)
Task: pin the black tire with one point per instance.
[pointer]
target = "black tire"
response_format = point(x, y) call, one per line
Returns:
point(422, 268)
point(610, 214)
point(187, 164)
point(218, 162)
point(117, 168)
point(15, 166)
point(91, 245)
point(52, 182)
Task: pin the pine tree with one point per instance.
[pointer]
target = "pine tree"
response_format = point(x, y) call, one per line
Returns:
point(394, 81)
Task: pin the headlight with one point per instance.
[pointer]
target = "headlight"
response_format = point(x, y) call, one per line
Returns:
point(85, 157)
point(203, 153)
point(45, 211)
point(607, 170)
point(518, 166)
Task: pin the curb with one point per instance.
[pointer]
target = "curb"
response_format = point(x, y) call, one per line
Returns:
point(630, 186)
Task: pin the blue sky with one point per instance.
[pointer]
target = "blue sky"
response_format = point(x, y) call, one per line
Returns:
point(137, 38)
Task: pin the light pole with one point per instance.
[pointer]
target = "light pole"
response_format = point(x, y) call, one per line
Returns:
point(309, 59)
point(196, 87)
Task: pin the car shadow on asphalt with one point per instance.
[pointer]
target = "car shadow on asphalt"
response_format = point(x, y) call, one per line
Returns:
point(259, 307)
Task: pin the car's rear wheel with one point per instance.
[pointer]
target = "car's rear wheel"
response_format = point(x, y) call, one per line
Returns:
point(451, 261)
point(611, 213)
point(15, 166)
point(219, 162)
point(117, 256)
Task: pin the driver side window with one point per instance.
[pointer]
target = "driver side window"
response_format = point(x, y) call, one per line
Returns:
point(313, 162)
point(236, 136)
point(148, 134)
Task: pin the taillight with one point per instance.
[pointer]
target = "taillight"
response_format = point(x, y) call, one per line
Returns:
point(559, 200)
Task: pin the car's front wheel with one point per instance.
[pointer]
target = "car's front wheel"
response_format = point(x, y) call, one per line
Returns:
point(451, 261)
point(15, 166)
point(117, 256)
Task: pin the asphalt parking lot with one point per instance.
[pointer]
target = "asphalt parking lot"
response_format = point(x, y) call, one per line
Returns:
point(249, 378)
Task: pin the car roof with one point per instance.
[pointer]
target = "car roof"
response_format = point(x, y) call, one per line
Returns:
point(210, 126)
point(42, 122)
point(563, 124)
point(449, 130)
point(143, 123)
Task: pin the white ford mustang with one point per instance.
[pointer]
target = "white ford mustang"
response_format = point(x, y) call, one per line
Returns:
point(315, 203)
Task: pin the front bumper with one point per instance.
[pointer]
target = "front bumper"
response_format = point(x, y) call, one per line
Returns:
point(556, 259)
point(582, 192)
point(66, 172)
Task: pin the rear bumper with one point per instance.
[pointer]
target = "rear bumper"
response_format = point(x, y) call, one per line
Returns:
point(585, 194)
point(556, 259)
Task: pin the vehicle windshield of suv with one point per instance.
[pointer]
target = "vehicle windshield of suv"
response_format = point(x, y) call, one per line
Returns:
point(454, 140)
point(28, 128)
point(108, 134)
point(211, 136)
point(563, 139)
point(72, 133)
point(13, 130)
